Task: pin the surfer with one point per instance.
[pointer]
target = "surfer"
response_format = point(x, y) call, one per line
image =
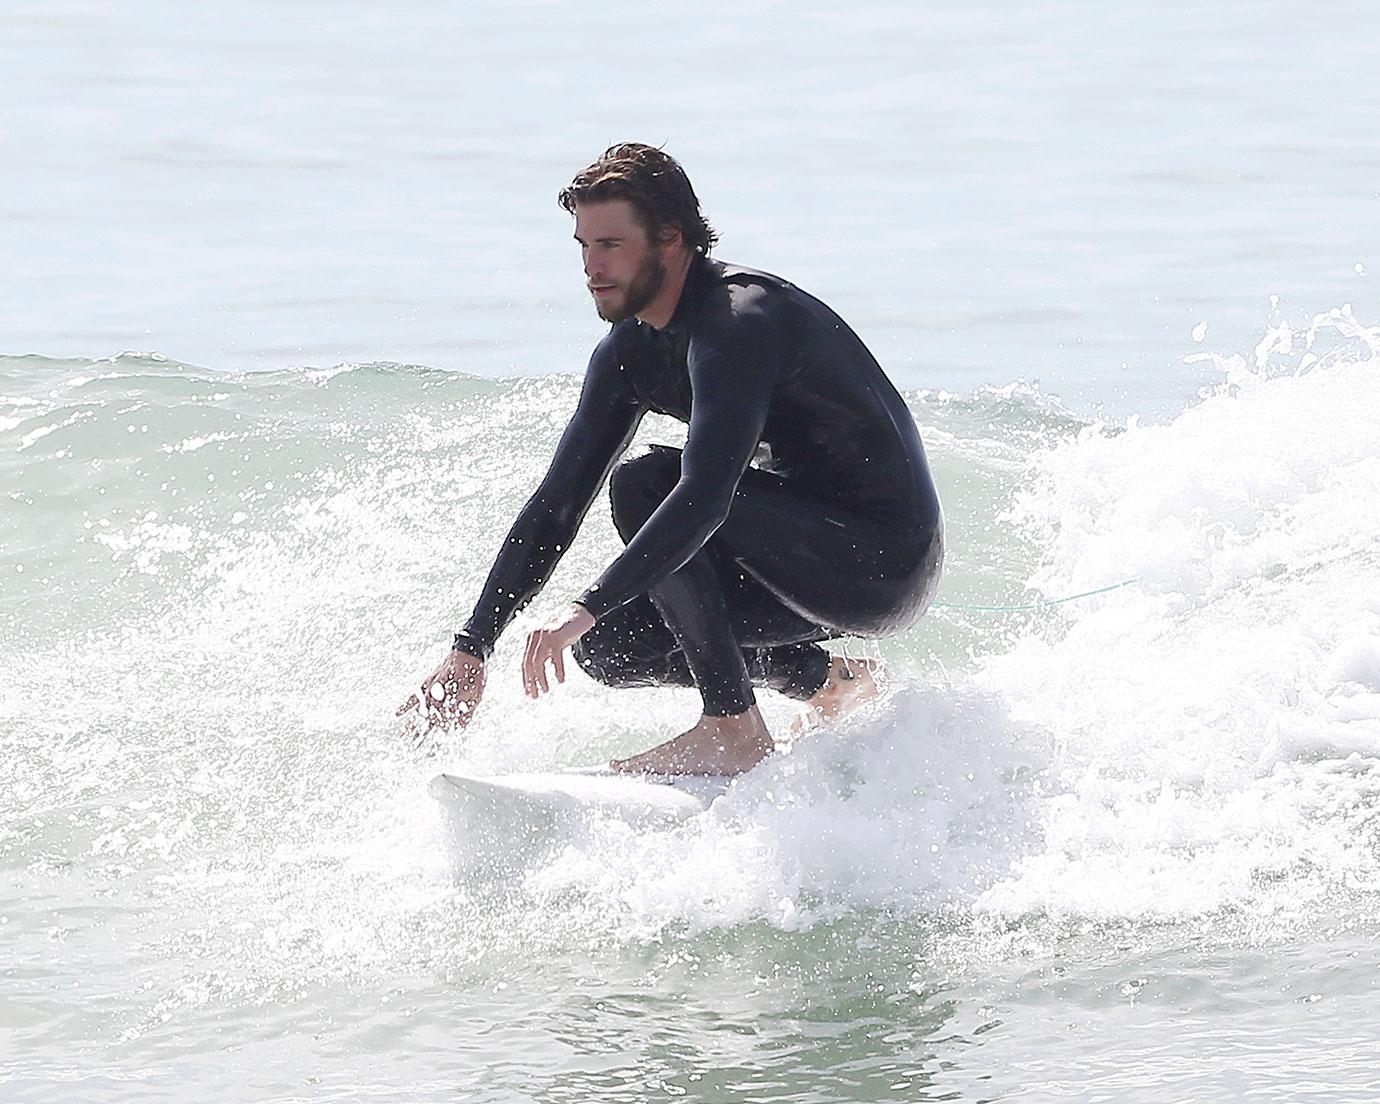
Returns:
point(800, 509)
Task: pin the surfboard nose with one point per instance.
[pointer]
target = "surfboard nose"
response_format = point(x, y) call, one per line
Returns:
point(502, 825)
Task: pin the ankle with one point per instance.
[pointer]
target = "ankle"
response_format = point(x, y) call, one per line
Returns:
point(746, 727)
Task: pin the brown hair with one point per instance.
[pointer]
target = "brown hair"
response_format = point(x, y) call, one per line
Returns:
point(653, 182)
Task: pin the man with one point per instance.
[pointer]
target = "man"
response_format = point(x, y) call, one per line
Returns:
point(800, 509)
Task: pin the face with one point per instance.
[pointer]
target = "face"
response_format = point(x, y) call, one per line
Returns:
point(624, 268)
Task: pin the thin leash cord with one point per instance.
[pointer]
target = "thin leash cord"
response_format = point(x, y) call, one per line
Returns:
point(1043, 604)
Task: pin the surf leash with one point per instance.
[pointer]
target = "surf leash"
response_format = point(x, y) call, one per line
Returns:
point(1044, 603)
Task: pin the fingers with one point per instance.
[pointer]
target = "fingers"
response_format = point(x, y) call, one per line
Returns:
point(448, 696)
point(529, 682)
point(536, 659)
point(440, 718)
point(542, 656)
point(548, 645)
point(539, 653)
point(534, 664)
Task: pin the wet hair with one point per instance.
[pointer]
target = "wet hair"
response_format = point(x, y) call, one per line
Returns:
point(653, 182)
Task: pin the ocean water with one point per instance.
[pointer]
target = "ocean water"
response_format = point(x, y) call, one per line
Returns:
point(289, 328)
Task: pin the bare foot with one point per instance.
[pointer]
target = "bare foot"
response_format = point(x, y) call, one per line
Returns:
point(716, 745)
point(851, 683)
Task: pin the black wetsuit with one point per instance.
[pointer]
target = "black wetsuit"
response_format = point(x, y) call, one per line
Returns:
point(800, 509)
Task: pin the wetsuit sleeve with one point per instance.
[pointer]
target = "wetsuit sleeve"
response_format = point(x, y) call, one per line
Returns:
point(603, 424)
point(734, 360)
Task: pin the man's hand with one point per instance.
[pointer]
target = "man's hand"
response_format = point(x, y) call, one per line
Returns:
point(548, 644)
point(451, 692)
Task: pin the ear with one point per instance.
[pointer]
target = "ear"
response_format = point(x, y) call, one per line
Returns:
point(670, 237)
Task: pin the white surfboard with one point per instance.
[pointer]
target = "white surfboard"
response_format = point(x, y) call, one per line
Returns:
point(502, 822)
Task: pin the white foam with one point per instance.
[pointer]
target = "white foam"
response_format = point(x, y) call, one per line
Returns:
point(917, 803)
point(1203, 713)
point(1356, 661)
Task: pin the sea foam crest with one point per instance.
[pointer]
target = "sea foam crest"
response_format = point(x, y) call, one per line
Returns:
point(1218, 722)
point(916, 804)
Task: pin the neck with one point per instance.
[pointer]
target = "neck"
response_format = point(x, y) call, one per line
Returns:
point(659, 311)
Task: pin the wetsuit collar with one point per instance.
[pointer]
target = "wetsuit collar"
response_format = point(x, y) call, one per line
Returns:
point(698, 277)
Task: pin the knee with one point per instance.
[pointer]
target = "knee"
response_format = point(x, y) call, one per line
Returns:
point(591, 656)
point(638, 486)
point(598, 655)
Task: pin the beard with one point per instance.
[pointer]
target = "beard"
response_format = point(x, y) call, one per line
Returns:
point(641, 290)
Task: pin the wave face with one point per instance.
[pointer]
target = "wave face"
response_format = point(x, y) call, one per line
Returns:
point(217, 588)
